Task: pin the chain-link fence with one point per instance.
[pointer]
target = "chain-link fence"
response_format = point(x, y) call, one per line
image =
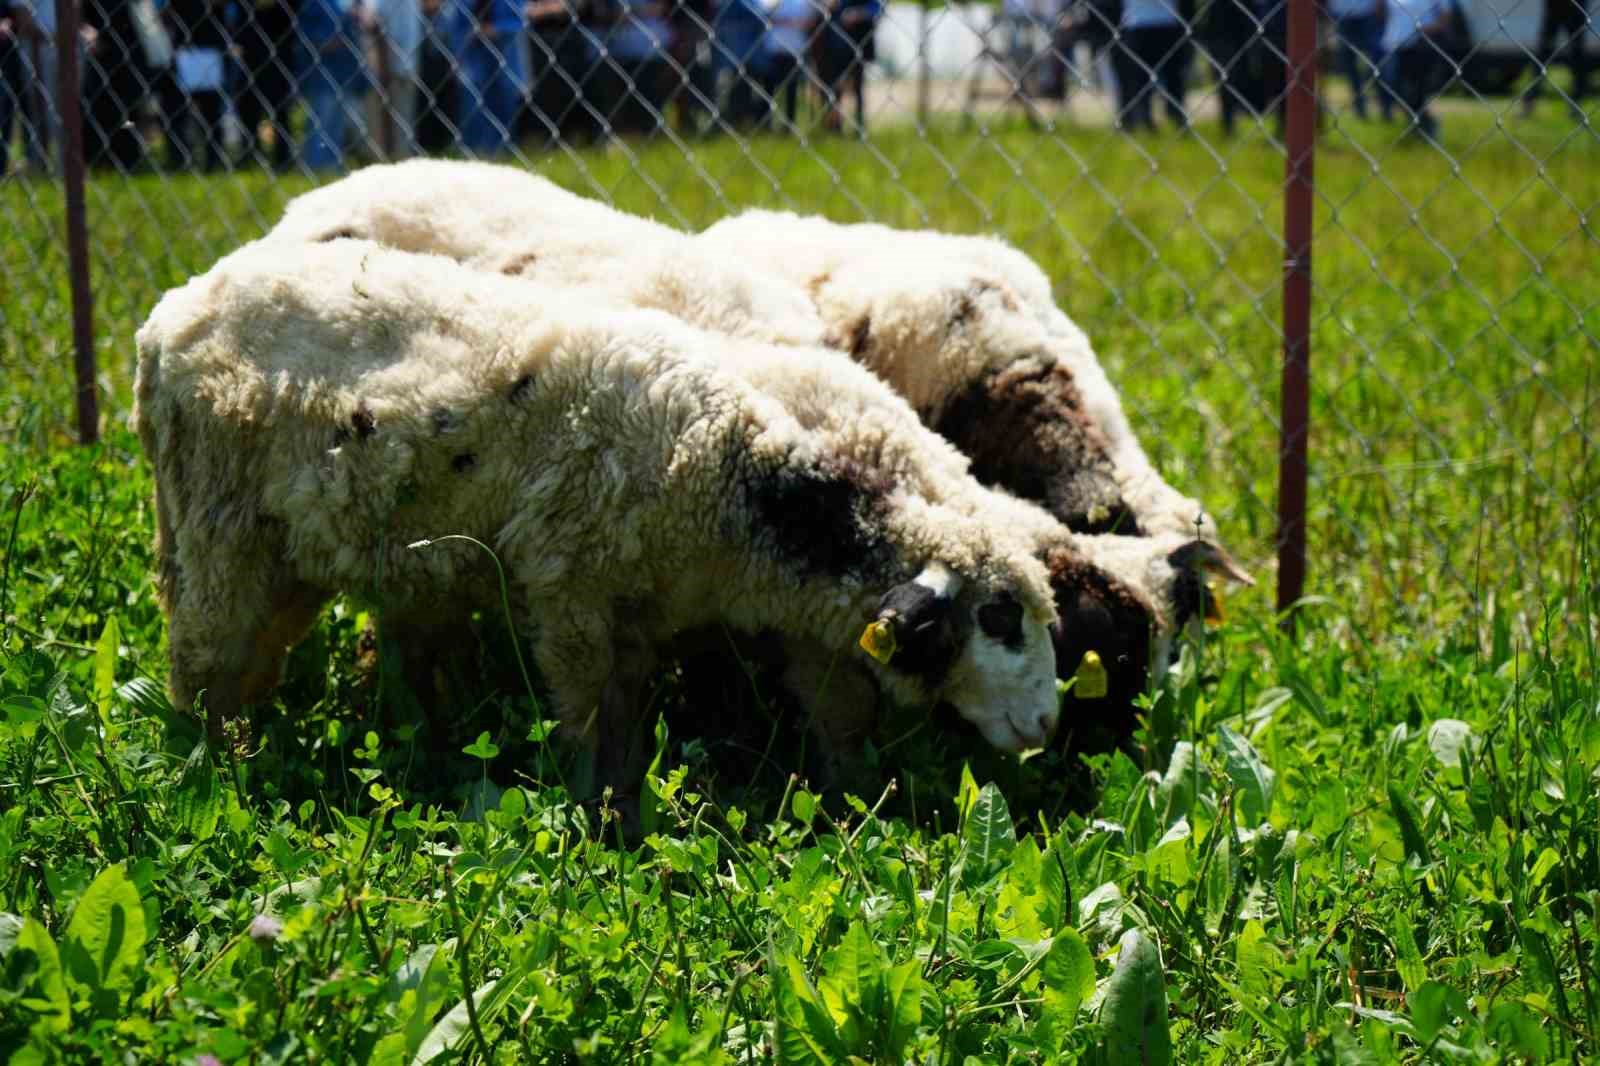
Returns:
point(1135, 149)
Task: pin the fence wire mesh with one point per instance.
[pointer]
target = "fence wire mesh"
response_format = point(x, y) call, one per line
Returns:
point(1134, 149)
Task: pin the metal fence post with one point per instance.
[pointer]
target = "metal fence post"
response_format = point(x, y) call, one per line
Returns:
point(1300, 134)
point(69, 100)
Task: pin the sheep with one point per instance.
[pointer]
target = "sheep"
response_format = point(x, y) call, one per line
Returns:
point(507, 221)
point(967, 329)
point(963, 327)
point(315, 414)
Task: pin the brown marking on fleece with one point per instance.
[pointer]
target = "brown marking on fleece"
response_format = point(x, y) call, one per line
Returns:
point(519, 264)
point(1025, 430)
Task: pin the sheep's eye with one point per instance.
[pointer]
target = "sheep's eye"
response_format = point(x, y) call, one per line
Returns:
point(1002, 619)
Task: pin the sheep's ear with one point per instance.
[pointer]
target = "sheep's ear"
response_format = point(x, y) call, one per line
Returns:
point(1214, 558)
point(912, 615)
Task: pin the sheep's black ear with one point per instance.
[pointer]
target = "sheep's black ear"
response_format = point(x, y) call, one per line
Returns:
point(914, 630)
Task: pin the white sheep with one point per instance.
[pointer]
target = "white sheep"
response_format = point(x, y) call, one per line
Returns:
point(1020, 407)
point(507, 221)
point(966, 328)
point(313, 412)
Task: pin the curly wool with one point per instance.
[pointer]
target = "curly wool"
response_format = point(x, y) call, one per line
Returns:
point(967, 328)
point(313, 411)
point(504, 220)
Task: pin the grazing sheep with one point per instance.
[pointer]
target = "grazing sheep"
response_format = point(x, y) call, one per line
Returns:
point(507, 221)
point(967, 330)
point(313, 412)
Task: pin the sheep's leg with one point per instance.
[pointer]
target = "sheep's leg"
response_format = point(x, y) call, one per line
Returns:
point(416, 661)
point(840, 701)
point(597, 670)
point(229, 636)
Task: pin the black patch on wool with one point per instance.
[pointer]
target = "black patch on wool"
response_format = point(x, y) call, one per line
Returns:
point(926, 634)
point(1001, 619)
point(344, 233)
point(1025, 430)
point(819, 519)
point(1099, 614)
point(464, 462)
point(520, 388)
point(363, 422)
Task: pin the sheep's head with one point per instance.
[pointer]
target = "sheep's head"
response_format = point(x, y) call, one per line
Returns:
point(974, 646)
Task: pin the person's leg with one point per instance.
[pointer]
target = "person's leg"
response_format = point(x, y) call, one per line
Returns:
point(325, 125)
point(209, 108)
point(11, 96)
point(1176, 54)
point(1132, 77)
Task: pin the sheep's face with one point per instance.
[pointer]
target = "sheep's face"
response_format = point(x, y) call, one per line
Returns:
point(975, 648)
point(1102, 615)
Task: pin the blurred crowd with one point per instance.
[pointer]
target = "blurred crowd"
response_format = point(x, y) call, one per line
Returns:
point(1396, 55)
point(307, 82)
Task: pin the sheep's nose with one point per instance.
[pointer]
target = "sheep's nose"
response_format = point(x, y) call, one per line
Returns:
point(1046, 725)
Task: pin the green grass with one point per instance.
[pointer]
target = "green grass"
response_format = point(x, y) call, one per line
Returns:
point(1374, 842)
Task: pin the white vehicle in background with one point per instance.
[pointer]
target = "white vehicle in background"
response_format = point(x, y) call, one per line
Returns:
point(1505, 40)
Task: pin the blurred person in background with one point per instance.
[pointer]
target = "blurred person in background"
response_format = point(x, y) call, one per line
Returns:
point(564, 59)
point(265, 39)
point(491, 71)
point(1358, 27)
point(736, 43)
point(1565, 19)
point(39, 60)
point(1152, 56)
point(116, 80)
point(201, 41)
point(1231, 34)
point(436, 75)
point(333, 77)
point(845, 46)
point(692, 81)
point(781, 58)
point(1413, 41)
point(394, 105)
point(18, 31)
point(636, 43)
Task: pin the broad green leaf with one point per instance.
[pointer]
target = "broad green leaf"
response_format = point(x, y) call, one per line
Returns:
point(482, 748)
point(804, 1032)
point(966, 793)
point(902, 1008)
point(1408, 959)
point(47, 976)
point(1254, 778)
point(1449, 739)
point(1405, 813)
point(1134, 1011)
point(197, 801)
point(650, 803)
point(987, 836)
point(1177, 784)
point(105, 938)
point(105, 668)
point(1258, 959)
point(1068, 973)
point(852, 984)
point(1427, 1008)
point(423, 977)
point(453, 1029)
point(1053, 865)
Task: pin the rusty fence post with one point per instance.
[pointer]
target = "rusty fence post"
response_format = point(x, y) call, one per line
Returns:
point(69, 100)
point(1300, 134)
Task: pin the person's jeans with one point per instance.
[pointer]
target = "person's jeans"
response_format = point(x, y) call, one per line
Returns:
point(1152, 59)
point(331, 112)
point(492, 77)
point(1409, 74)
point(1360, 52)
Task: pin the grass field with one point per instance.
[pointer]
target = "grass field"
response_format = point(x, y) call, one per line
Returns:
point(1378, 841)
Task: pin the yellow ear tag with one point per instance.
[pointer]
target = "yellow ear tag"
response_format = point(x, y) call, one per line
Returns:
point(1091, 682)
point(1214, 611)
point(877, 640)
